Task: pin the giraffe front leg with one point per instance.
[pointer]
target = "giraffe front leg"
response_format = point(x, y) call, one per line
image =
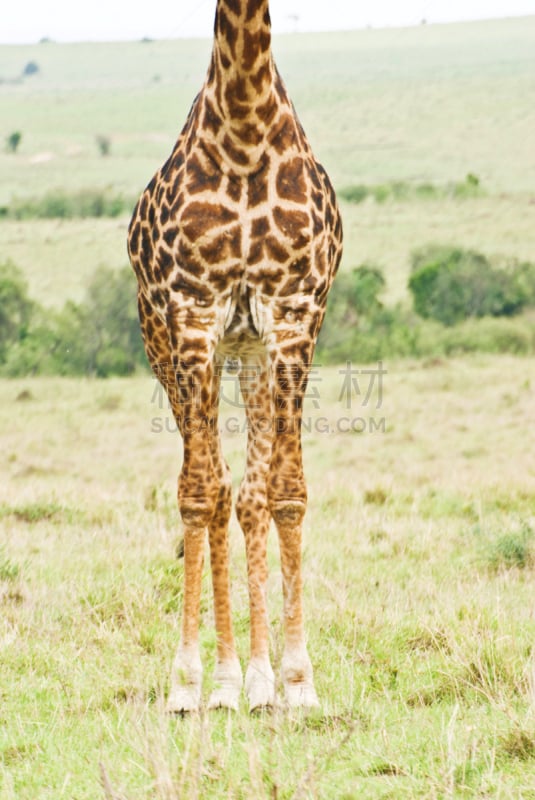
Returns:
point(259, 678)
point(287, 498)
point(198, 490)
point(296, 665)
point(254, 518)
point(186, 674)
point(227, 675)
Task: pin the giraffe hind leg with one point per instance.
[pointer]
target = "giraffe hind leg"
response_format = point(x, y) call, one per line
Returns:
point(254, 518)
point(287, 497)
point(227, 677)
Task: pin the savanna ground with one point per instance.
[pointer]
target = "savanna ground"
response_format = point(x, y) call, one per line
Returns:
point(419, 551)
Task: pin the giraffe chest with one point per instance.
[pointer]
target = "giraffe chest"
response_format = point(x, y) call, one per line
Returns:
point(200, 226)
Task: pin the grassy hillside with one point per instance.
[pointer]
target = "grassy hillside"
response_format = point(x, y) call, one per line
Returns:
point(429, 104)
point(423, 103)
point(418, 563)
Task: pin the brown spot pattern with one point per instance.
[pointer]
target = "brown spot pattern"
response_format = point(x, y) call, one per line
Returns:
point(240, 211)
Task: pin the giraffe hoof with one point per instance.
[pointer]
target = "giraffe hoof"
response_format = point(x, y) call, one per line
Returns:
point(229, 681)
point(224, 697)
point(260, 685)
point(183, 700)
point(301, 695)
point(298, 680)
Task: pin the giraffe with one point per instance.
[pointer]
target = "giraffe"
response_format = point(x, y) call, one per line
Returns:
point(235, 243)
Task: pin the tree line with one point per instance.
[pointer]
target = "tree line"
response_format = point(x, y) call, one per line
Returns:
point(461, 302)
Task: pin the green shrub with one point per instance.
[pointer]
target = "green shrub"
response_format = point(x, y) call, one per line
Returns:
point(524, 275)
point(450, 284)
point(31, 68)
point(401, 191)
point(100, 336)
point(104, 145)
point(354, 194)
point(58, 204)
point(358, 327)
point(353, 301)
point(15, 306)
point(13, 141)
point(470, 187)
point(426, 191)
point(382, 192)
point(510, 549)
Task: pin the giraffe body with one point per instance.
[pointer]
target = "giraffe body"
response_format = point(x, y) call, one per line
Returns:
point(235, 243)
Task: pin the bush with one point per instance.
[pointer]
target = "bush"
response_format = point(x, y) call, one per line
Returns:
point(353, 300)
point(104, 145)
point(354, 194)
point(513, 549)
point(401, 191)
point(524, 273)
point(13, 141)
point(100, 336)
point(111, 323)
point(15, 306)
point(470, 187)
point(87, 203)
point(31, 68)
point(357, 327)
point(450, 284)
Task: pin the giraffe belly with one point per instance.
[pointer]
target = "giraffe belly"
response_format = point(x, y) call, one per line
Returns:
point(236, 347)
point(241, 338)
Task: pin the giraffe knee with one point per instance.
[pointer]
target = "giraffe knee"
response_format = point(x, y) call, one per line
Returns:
point(197, 509)
point(198, 516)
point(287, 498)
point(287, 512)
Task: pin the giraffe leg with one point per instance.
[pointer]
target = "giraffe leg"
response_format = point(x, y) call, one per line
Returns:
point(186, 675)
point(228, 678)
point(287, 501)
point(189, 388)
point(254, 517)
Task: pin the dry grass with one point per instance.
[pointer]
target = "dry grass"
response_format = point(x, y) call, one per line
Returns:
point(422, 644)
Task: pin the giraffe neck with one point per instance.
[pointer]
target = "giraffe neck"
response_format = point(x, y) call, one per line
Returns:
point(241, 55)
point(243, 87)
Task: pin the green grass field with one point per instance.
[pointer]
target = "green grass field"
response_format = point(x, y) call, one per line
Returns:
point(418, 563)
point(419, 553)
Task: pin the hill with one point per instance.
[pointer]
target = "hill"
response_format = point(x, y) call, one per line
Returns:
point(423, 105)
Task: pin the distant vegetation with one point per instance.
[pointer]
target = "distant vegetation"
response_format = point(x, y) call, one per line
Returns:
point(400, 191)
point(450, 284)
point(13, 141)
point(461, 303)
point(103, 145)
point(99, 336)
point(31, 68)
point(58, 204)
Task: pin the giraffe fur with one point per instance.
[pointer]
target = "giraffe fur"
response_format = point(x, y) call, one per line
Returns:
point(235, 243)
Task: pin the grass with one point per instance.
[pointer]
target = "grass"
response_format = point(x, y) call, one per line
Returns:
point(428, 104)
point(418, 599)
